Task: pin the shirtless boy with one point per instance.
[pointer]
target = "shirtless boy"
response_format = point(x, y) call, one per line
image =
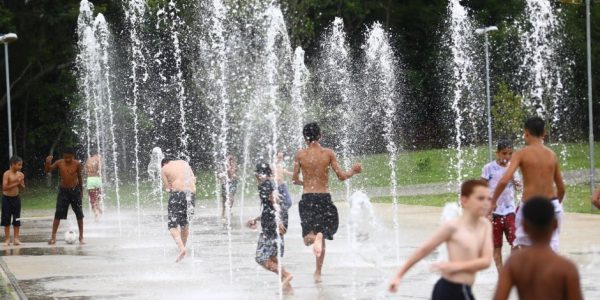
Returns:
point(318, 214)
point(469, 242)
point(179, 180)
point(13, 182)
point(93, 168)
point(280, 174)
point(70, 190)
point(229, 180)
point(537, 271)
point(541, 177)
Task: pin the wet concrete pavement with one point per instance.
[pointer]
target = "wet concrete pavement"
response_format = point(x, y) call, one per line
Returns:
point(139, 264)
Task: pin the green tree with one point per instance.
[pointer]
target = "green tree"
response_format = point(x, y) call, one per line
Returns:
point(508, 113)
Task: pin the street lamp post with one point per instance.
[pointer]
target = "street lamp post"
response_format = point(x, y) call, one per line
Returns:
point(7, 39)
point(484, 31)
point(590, 103)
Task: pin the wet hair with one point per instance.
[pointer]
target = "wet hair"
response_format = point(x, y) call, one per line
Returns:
point(535, 126)
point(311, 132)
point(14, 160)
point(165, 161)
point(468, 187)
point(538, 213)
point(68, 151)
point(504, 144)
point(263, 168)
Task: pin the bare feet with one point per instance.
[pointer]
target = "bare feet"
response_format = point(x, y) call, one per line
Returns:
point(181, 255)
point(52, 241)
point(318, 245)
point(317, 277)
point(81, 240)
point(7, 242)
point(17, 242)
point(286, 278)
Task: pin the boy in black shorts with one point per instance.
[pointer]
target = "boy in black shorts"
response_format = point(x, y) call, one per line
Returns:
point(13, 182)
point(273, 221)
point(318, 214)
point(70, 191)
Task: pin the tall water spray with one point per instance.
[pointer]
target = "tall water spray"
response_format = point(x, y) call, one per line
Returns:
point(134, 13)
point(463, 69)
point(380, 70)
point(93, 68)
point(337, 85)
point(299, 89)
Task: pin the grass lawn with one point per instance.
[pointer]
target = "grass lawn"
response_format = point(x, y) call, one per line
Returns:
point(577, 199)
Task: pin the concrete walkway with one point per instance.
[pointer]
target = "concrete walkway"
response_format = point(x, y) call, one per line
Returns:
point(139, 262)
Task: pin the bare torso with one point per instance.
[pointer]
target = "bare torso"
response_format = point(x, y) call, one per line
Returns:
point(12, 178)
point(538, 166)
point(280, 173)
point(178, 176)
point(466, 243)
point(92, 166)
point(314, 164)
point(540, 274)
point(69, 173)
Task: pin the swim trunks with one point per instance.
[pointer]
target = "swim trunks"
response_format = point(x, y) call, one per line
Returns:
point(503, 225)
point(94, 182)
point(11, 209)
point(180, 208)
point(66, 197)
point(522, 239)
point(318, 214)
point(267, 248)
point(447, 290)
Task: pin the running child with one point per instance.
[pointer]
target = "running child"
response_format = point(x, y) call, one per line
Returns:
point(13, 182)
point(318, 215)
point(70, 191)
point(541, 177)
point(267, 248)
point(537, 271)
point(93, 168)
point(503, 216)
point(469, 242)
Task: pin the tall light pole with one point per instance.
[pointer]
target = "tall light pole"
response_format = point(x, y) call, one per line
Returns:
point(7, 39)
point(590, 102)
point(484, 31)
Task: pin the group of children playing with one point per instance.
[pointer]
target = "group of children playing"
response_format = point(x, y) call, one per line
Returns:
point(70, 192)
point(473, 240)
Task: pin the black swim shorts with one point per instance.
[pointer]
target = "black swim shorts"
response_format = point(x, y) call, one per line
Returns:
point(446, 290)
point(318, 214)
point(180, 209)
point(11, 209)
point(66, 197)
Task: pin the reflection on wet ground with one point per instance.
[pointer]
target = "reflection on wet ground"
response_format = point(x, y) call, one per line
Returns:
point(139, 264)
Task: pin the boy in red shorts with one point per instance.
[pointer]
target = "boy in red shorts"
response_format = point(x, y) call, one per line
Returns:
point(503, 214)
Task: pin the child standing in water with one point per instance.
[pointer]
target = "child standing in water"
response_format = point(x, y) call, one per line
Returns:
point(503, 217)
point(229, 179)
point(13, 182)
point(273, 218)
point(537, 271)
point(469, 242)
point(70, 191)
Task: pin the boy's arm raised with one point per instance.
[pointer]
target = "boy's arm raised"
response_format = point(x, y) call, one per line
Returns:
point(515, 161)
point(341, 174)
point(49, 166)
point(440, 236)
point(296, 174)
point(558, 181)
point(505, 282)
point(473, 265)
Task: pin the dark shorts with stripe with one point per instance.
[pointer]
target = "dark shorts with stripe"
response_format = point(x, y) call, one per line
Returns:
point(318, 214)
point(66, 197)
